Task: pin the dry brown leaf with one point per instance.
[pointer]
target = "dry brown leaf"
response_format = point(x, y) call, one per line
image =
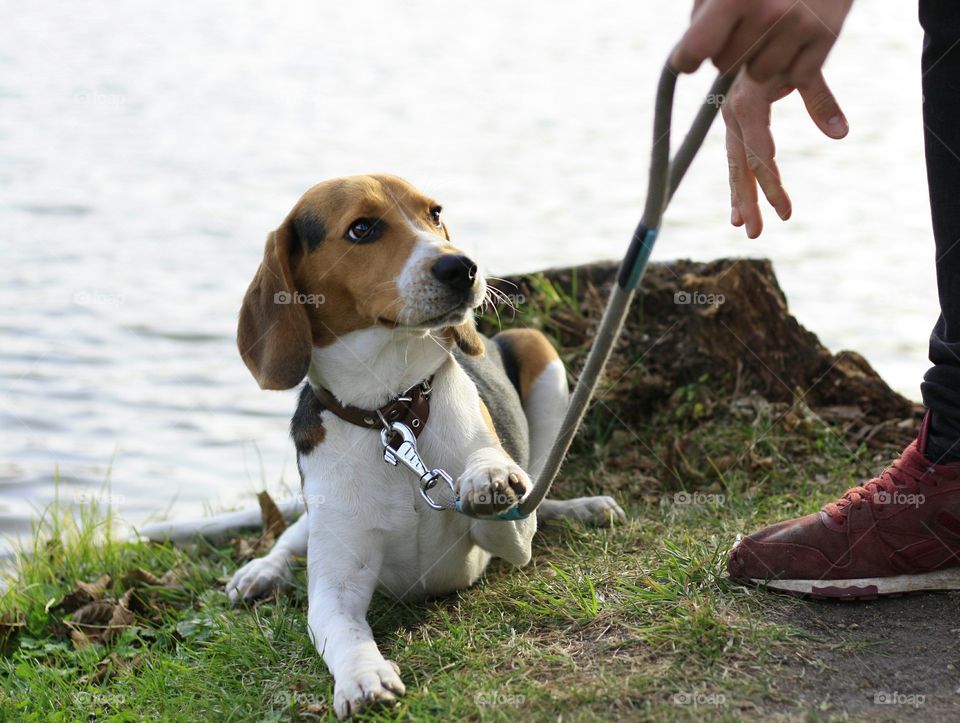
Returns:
point(80, 640)
point(265, 543)
point(172, 576)
point(110, 666)
point(243, 550)
point(84, 593)
point(273, 522)
point(96, 614)
point(137, 577)
point(273, 527)
point(121, 619)
point(314, 709)
point(101, 620)
point(96, 588)
point(140, 601)
point(141, 576)
point(9, 627)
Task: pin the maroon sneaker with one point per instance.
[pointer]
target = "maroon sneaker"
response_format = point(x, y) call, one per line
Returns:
point(898, 533)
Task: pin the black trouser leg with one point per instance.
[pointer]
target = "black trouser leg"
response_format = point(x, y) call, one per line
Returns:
point(941, 117)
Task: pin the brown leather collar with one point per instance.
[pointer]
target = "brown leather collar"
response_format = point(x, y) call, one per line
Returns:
point(412, 408)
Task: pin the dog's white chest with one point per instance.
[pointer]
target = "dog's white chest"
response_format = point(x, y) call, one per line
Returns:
point(347, 484)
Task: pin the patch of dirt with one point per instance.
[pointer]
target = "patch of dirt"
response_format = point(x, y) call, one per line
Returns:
point(889, 659)
point(726, 320)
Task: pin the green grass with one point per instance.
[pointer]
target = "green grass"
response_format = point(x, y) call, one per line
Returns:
point(630, 622)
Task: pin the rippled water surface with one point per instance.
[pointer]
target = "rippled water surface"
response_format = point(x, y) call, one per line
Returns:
point(145, 151)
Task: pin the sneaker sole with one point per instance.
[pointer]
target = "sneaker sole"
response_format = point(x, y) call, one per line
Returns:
point(867, 588)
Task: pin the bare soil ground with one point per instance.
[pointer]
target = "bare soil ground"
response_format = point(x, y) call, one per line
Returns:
point(890, 659)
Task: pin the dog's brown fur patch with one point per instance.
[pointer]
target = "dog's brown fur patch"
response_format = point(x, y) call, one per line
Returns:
point(466, 337)
point(531, 352)
point(274, 337)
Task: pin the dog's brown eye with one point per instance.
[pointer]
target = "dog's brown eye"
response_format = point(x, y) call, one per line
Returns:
point(365, 230)
point(435, 215)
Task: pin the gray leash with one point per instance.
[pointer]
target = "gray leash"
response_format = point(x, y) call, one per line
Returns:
point(665, 176)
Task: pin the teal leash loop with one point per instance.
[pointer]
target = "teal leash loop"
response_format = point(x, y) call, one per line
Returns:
point(511, 515)
point(632, 269)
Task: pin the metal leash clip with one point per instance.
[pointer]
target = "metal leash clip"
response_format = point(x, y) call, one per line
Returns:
point(406, 452)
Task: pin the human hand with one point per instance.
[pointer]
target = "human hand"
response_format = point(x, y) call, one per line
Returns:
point(772, 38)
point(751, 149)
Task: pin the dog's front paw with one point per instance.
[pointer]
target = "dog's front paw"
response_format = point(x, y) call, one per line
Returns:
point(491, 484)
point(258, 578)
point(369, 685)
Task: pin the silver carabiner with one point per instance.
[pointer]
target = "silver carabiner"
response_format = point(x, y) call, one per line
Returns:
point(407, 453)
point(430, 482)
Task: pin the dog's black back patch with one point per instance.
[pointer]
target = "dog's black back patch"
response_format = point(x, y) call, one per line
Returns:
point(500, 395)
point(306, 427)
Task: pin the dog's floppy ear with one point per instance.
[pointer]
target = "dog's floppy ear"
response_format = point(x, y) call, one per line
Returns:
point(467, 338)
point(274, 335)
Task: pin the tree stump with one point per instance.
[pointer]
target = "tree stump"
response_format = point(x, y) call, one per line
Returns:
point(724, 323)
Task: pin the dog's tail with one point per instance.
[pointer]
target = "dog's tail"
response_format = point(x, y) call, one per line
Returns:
point(217, 528)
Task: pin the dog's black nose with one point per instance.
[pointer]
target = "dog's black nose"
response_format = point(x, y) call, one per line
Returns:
point(457, 272)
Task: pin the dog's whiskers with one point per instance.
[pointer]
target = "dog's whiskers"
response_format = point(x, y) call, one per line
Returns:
point(389, 307)
point(488, 299)
point(505, 281)
point(436, 341)
point(501, 299)
point(382, 285)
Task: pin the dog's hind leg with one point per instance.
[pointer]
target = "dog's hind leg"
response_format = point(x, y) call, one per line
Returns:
point(216, 528)
point(599, 511)
point(537, 372)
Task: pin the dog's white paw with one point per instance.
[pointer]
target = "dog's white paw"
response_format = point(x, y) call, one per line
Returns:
point(491, 484)
point(368, 685)
point(259, 578)
point(599, 511)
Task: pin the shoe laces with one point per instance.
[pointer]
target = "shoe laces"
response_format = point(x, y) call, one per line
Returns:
point(905, 474)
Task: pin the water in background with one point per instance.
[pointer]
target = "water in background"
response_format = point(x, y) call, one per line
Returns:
point(146, 150)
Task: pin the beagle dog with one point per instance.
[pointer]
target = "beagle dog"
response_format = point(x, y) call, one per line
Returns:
point(362, 294)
